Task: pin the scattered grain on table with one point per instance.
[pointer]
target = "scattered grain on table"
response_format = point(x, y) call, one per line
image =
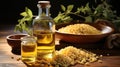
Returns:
point(71, 55)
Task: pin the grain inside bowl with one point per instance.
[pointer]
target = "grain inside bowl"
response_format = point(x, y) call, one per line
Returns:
point(80, 29)
point(86, 34)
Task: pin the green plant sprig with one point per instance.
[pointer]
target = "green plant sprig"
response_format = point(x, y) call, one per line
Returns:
point(64, 17)
point(89, 14)
point(25, 22)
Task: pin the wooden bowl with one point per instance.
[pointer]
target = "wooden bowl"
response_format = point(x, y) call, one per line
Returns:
point(14, 41)
point(84, 39)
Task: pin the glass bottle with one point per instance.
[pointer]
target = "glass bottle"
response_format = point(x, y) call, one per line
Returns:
point(28, 49)
point(44, 30)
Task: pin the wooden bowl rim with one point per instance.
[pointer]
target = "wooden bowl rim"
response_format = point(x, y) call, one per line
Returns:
point(9, 36)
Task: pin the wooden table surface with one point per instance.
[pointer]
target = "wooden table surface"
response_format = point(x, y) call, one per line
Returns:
point(8, 59)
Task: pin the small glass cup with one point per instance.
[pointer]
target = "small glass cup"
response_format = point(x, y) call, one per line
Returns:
point(28, 49)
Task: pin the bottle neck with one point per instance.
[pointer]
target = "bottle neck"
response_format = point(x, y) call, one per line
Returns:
point(43, 11)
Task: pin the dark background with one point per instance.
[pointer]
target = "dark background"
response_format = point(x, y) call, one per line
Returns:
point(10, 10)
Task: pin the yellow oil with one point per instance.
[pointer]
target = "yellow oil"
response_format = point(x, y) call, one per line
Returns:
point(29, 52)
point(45, 44)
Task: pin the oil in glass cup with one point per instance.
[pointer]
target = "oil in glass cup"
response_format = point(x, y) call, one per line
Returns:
point(28, 49)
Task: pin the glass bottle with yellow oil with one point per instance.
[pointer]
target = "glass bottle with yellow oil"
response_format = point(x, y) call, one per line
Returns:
point(44, 30)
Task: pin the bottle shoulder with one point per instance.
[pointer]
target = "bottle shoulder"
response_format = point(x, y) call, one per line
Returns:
point(43, 18)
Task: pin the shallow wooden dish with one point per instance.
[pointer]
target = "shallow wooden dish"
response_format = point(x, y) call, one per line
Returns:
point(84, 39)
point(14, 41)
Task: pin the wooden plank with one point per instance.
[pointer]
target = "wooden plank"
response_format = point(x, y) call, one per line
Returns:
point(12, 65)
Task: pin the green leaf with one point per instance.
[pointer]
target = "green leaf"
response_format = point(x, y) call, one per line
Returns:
point(23, 26)
point(27, 18)
point(69, 8)
point(99, 9)
point(29, 12)
point(23, 14)
point(16, 28)
point(87, 8)
point(63, 7)
point(67, 19)
point(88, 19)
point(56, 19)
point(20, 28)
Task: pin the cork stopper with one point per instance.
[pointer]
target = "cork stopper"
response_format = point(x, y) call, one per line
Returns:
point(44, 4)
